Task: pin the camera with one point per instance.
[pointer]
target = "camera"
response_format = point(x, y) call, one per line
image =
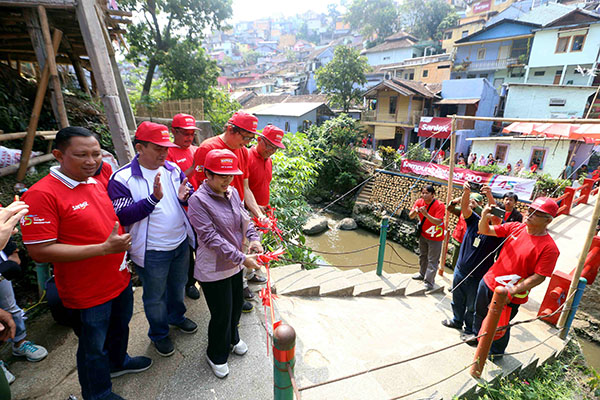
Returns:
point(498, 212)
point(475, 187)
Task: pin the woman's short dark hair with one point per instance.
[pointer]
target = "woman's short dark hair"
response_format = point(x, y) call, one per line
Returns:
point(511, 195)
point(429, 188)
point(63, 137)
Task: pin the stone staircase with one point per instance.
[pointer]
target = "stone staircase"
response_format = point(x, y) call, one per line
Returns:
point(364, 196)
point(293, 280)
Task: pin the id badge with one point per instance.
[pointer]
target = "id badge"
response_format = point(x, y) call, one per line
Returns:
point(476, 242)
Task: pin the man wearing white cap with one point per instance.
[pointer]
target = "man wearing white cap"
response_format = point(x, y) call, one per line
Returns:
point(528, 256)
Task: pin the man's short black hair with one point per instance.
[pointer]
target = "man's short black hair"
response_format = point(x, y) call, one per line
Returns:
point(142, 142)
point(63, 137)
point(511, 195)
point(429, 188)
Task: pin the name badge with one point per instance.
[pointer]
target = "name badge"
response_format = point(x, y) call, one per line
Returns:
point(476, 242)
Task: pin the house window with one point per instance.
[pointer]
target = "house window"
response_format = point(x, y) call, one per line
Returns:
point(411, 76)
point(537, 157)
point(464, 33)
point(562, 44)
point(393, 103)
point(577, 44)
point(481, 53)
point(539, 73)
point(501, 151)
point(386, 58)
point(519, 47)
point(470, 76)
point(287, 126)
point(406, 76)
point(483, 75)
point(447, 35)
point(557, 102)
point(425, 73)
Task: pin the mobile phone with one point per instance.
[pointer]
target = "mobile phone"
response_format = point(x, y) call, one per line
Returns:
point(498, 212)
point(475, 187)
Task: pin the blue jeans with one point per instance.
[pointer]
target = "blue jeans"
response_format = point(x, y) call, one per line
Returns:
point(164, 276)
point(103, 333)
point(463, 299)
point(484, 298)
point(8, 304)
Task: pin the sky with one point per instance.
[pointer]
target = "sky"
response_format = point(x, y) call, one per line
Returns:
point(250, 10)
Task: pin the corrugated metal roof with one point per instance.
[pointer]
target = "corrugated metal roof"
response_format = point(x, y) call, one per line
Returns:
point(541, 15)
point(284, 109)
point(457, 101)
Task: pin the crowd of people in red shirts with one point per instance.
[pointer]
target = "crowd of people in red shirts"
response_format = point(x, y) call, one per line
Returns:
point(179, 214)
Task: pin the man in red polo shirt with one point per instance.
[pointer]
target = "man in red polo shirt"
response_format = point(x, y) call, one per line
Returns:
point(89, 264)
point(184, 128)
point(260, 165)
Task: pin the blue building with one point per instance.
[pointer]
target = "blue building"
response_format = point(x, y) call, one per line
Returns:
point(291, 117)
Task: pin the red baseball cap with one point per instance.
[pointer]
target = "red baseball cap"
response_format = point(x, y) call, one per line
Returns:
point(184, 121)
point(244, 121)
point(545, 205)
point(274, 135)
point(222, 162)
point(154, 133)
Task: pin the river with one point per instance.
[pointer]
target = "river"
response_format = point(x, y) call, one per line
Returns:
point(334, 240)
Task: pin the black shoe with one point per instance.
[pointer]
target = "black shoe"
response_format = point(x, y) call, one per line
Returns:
point(187, 326)
point(448, 323)
point(469, 339)
point(113, 396)
point(248, 295)
point(247, 306)
point(192, 292)
point(258, 279)
point(133, 365)
point(418, 277)
point(164, 347)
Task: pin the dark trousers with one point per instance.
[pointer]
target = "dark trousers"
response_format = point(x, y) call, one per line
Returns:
point(484, 298)
point(191, 280)
point(224, 299)
point(463, 299)
point(103, 333)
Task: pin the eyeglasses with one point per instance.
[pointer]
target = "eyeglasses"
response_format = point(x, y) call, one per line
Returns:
point(246, 138)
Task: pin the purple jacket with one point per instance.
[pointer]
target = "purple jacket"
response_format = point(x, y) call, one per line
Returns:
point(220, 224)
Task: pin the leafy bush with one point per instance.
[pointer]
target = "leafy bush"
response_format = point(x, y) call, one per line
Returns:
point(218, 108)
point(418, 153)
point(388, 156)
point(490, 169)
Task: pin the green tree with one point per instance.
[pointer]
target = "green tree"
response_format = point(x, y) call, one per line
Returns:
point(422, 18)
point(164, 23)
point(218, 108)
point(340, 78)
point(373, 17)
point(184, 64)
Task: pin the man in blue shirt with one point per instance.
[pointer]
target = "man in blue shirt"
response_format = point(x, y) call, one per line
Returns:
point(476, 256)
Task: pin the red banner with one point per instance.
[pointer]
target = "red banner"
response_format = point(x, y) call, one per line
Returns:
point(435, 127)
point(499, 184)
point(481, 6)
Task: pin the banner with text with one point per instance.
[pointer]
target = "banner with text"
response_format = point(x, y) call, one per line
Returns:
point(435, 127)
point(499, 184)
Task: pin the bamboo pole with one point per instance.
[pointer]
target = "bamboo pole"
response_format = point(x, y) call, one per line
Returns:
point(11, 169)
point(448, 196)
point(577, 273)
point(35, 112)
point(51, 61)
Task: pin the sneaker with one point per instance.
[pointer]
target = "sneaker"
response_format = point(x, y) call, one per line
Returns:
point(418, 277)
point(469, 339)
point(258, 279)
point(428, 286)
point(247, 306)
point(449, 323)
point(248, 295)
point(10, 377)
point(240, 348)
point(192, 292)
point(164, 347)
point(220, 370)
point(133, 365)
point(187, 326)
point(29, 350)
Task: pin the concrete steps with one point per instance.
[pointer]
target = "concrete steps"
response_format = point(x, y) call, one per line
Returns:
point(364, 196)
point(292, 280)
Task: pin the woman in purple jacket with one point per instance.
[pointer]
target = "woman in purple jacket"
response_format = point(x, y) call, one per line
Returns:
point(222, 226)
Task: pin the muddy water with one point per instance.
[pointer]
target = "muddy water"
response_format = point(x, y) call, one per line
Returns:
point(334, 240)
point(591, 351)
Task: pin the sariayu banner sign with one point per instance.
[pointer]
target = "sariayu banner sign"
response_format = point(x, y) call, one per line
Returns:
point(499, 184)
point(435, 127)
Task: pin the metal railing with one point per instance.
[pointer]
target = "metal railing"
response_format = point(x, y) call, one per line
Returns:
point(373, 116)
point(484, 65)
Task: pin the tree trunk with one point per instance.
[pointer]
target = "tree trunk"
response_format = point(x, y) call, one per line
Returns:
point(149, 76)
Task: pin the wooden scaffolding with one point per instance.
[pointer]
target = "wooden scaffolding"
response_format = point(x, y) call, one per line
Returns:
point(78, 33)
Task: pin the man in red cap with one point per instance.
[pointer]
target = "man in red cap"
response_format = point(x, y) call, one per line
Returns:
point(184, 128)
point(149, 195)
point(527, 257)
point(239, 132)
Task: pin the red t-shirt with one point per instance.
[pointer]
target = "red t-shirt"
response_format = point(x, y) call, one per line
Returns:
point(521, 256)
point(79, 215)
point(260, 173)
point(184, 158)
point(460, 229)
point(437, 210)
point(216, 142)
point(104, 173)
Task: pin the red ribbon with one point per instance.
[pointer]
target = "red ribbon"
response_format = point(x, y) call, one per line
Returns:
point(271, 225)
point(265, 293)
